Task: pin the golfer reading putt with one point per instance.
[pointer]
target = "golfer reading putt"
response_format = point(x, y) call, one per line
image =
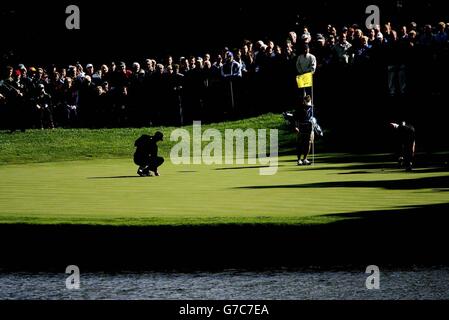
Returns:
point(146, 154)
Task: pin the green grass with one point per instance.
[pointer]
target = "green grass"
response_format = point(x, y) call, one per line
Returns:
point(82, 144)
point(88, 177)
point(107, 192)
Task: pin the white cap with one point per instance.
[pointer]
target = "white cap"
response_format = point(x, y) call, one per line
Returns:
point(394, 125)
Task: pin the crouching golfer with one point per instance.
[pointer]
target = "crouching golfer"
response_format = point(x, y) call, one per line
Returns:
point(406, 139)
point(146, 154)
point(304, 129)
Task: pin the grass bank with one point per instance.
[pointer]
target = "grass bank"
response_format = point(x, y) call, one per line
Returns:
point(84, 144)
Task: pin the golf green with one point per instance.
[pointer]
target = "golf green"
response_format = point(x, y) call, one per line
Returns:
point(108, 191)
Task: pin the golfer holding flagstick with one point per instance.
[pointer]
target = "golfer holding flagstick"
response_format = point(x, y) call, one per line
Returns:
point(306, 67)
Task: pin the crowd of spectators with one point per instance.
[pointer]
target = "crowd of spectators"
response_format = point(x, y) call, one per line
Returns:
point(255, 78)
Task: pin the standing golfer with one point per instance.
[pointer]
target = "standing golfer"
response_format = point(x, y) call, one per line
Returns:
point(304, 129)
point(406, 137)
point(146, 154)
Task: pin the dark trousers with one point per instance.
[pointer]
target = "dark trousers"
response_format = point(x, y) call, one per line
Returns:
point(408, 152)
point(303, 143)
point(148, 163)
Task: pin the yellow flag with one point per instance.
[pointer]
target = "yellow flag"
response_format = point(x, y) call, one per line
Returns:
point(305, 80)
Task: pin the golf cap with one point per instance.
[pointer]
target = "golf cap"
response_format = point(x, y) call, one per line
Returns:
point(159, 135)
point(394, 125)
point(89, 65)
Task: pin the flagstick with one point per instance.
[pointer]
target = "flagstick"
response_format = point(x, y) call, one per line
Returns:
point(181, 115)
point(232, 95)
point(180, 112)
point(304, 85)
point(313, 132)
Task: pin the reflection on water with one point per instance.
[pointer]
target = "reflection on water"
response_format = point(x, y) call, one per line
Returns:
point(414, 283)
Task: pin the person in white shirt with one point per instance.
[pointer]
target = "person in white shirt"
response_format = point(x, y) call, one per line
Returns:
point(305, 63)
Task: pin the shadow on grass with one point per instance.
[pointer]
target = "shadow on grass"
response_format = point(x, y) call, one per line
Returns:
point(346, 157)
point(115, 177)
point(241, 168)
point(361, 162)
point(405, 184)
point(359, 169)
point(401, 236)
point(432, 170)
point(422, 158)
point(363, 166)
point(355, 172)
point(356, 168)
point(421, 215)
point(378, 166)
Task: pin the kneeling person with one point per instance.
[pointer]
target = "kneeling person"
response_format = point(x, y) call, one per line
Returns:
point(146, 154)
